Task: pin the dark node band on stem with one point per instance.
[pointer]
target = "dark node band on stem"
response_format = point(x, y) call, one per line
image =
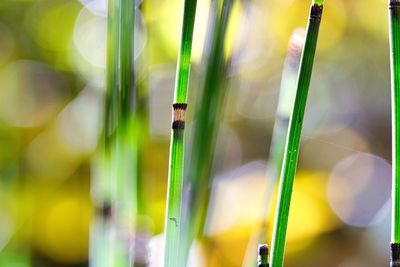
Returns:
point(394, 4)
point(395, 255)
point(178, 125)
point(181, 106)
point(263, 255)
point(263, 250)
point(105, 211)
point(316, 12)
point(179, 111)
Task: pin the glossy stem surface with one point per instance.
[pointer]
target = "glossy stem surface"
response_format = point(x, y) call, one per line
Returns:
point(394, 25)
point(293, 139)
point(394, 32)
point(185, 51)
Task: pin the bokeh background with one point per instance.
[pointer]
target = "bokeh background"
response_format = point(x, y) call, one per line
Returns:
point(52, 66)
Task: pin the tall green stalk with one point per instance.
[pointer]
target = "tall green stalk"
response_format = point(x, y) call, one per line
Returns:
point(294, 134)
point(394, 25)
point(129, 132)
point(173, 220)
point(112, 76)
point(206, 122)
point(279, 134)
point(101, 239)
point(129, 127)
point(128, 94)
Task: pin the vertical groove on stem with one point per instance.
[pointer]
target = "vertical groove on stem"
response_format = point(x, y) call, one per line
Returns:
point(293, 138)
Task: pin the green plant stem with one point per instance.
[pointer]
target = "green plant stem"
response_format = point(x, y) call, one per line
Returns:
point(206, 125)
point(112, 76)
point(173, 220)
point(185, 51)
point(129, 126)
point(102, 184)
point(394, 25)
point(129, 133)
point(395, 82)
point(277, 148)
point(128, 92)
point(293, 139)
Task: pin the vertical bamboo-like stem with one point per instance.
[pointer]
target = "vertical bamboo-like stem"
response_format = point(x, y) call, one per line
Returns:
point(207, 117)
point(173, 220)
point(101, 239)
point(112, 76)
point(294, 134)
point(128, 94)
point(394, 30)
point(128, 133)
point(279, 134)
point(128, 128)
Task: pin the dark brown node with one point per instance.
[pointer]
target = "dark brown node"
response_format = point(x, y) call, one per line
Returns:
point(105, 211)
point(181, 106)
point(316, 12)
point(263, 250)
point(178, 125)
point(395, 255)
point(394, 4)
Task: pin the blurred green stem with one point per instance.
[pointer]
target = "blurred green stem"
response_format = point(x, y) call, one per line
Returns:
point(207, 117)
point(173, 220)
point(112, 84)
point(101, 253)
point(129, 121)
point(128, 94)
point(293, 139)
point(279, 134)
